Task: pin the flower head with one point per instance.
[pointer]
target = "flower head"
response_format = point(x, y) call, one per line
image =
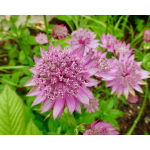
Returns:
point(61, 77)
point(59, 32)
point(105, 66)
point(108, 42)
point(100, 128)
point(127, 77)
point(147, 35)
point(82, 41)
point(132, 99)
point(41, 38)
point(122, 48)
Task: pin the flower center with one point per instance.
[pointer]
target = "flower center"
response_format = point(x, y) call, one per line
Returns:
point(128, 73)
point(59, 72)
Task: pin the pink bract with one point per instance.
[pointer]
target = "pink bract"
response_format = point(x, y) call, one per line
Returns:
point(82, 41)
point(60, 78)
point(41, 38)
point(100, 128)
point(122, 48)
point(132, 99)
point(147, 35)
point(127, 77)
point(59, 32)
point(93, 103)
point(105, 66)
point(108, 42)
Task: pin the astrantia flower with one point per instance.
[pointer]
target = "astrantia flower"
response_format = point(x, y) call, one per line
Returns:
point(128, 76)
point(93, 103)
point(132, 99)
point(59, 32)
point(108, 42)
point(104, 65)
point(41, 38)
point(82, 41)
point(147, 35)
point(122, 48)
point(61, 77)
point(100, 128)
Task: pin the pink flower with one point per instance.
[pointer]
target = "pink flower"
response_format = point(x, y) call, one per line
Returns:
point(100, 128)
point(60, 78)
point(41, 38)
point(127, 77)
point(82, 41)
point(59, 32)
point(122, 48)
point(147, 35)
point(105, 66)
point(108, 42)
point(93, 103)
point(132, 99)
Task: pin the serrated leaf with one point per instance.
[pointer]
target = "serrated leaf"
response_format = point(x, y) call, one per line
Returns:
point(32, 129)
point(12, 113)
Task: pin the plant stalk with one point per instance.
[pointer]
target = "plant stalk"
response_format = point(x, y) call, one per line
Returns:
point(130, 131)
point(22, 47)
point(45, 21)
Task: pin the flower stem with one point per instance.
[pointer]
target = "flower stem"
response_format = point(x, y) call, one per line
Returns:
point(130, 131)
point(22, 47)
point(73, 123)
point(45, 21)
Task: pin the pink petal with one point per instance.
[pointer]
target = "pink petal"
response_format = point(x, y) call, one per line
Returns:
point(32, 69)
point(36, 59)
point(91, 71)
point(33, 92)
point(82, 96)
point(59, 105)
point(40, 98)
point(91, 82)
point(30, 82)
point(43, 52)
point(110, 83)
point(70, 103)
point(78, 105)
point(50, 47)
point(58, 46)
point(138, 88)
point(87, 58)
point(114, 88)
point(47, 105)
point(59, 116)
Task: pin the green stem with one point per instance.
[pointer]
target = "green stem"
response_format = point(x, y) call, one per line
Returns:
point(139, 115)
point(118, 22)
point(73, 123)
point(69, 25)
point(45, 21)
point(22, 47)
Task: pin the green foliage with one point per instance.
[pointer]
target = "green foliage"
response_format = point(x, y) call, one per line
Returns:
point(32, 129)
point(12, 113)
point(64, 17)
point(146, 62)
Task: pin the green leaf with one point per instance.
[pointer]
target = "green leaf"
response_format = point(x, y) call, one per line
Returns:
point(12, 113)
point(123, 99)
point(12, 67)
point(64, 17)
point(32, 129)
point(114, 113)
point(109, 103)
